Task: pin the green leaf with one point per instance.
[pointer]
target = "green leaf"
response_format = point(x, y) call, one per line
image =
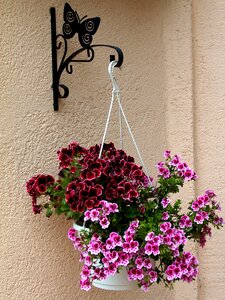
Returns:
point(48, 212)
point(130, 213)
point(73, 215)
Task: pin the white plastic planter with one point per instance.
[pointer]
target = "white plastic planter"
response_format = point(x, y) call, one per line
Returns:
point(79, 228)
point(116, 282)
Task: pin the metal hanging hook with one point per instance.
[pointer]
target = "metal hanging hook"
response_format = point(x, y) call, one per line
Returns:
point(115, 85)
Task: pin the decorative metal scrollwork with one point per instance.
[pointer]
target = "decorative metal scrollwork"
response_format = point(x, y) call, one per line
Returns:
point(85, 28)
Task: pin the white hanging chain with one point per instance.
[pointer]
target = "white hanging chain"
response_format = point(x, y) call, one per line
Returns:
point(121, 129)
point(107, 124)
point(132, 137)
point(116, 92)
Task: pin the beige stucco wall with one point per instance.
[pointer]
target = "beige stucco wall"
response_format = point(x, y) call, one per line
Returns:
point(173, 90)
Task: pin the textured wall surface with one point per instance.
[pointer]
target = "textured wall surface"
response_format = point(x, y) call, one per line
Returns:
point(209, 118)
point(173, 90)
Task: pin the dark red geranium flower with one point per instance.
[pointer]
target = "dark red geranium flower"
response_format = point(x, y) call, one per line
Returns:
point(31, 186)
point(137, 173)
point(73, 169)
point(133, 194)
point(41, 188)
point(80, 208)
point(65, 160)
point(90, 175)
point(36, 209)
point(76, 148)
point(50, 179)
point(89, 204)
point(41, 179)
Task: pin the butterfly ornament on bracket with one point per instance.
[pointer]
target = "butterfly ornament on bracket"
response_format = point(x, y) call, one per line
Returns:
point(85, 28)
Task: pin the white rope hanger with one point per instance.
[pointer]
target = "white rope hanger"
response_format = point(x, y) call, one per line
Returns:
point(116, 92)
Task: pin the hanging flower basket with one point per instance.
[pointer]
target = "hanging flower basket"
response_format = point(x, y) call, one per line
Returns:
point(128, 230)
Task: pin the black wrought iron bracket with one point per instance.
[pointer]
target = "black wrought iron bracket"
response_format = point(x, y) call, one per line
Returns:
point(85, 29)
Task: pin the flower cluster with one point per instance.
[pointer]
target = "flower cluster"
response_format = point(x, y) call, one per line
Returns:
point(104, 258)
point(202, 212)
point(85, 179)
point(36, 186)
point(81, 195)
point(118, 174)
point(127, 221)
point(66, 155)
point(174, 165)
point(184, 268)
point(100, 214)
